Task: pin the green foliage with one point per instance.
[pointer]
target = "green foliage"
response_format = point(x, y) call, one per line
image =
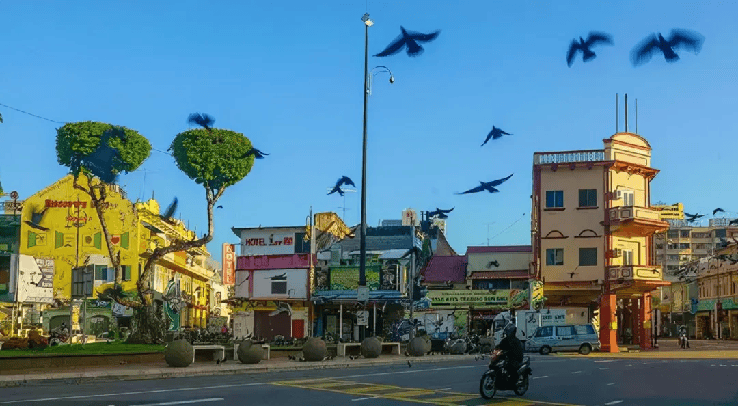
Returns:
point(215, 158)
point(93, 348)
point(75, 140)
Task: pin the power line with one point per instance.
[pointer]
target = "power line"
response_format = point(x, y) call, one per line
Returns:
point(510, 225)
point(33, 115)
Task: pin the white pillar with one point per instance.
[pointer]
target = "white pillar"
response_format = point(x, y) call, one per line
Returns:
point(340, 322)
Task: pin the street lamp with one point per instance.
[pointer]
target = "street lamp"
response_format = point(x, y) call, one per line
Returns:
point(366, 90)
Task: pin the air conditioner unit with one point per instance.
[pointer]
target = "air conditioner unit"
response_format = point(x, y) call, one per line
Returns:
point(617, 195)
point(616, 253)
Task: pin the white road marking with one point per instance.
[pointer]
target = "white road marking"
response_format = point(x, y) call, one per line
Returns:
point(603, 368)
point(538, 377)
point(713, 365)
point(614, 402)
point(629, 365)
point(605, 360)
point(577, 372)
point(722, 365)
point(404, 372)
point(609, 384)
point(355, 400)
point(103, 395)
point(182, 402)
point(443, 389)
point(733, 365)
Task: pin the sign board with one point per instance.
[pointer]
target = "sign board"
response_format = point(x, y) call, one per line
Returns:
point(264, 242)
point(363, 293)
point(674, 211)
point(362, 317)
point(8, 206)
point(466, 298)
point(228, 262)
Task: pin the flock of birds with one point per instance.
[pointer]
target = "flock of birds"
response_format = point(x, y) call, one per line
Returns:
point(642, 53)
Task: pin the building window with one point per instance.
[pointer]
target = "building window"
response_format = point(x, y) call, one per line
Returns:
point(519, 284)
point(587, 198)
point(4, 274)
point(627, 257)
point(279, 287)
point(101, 273)
point(554, 199)
point(587, 256)
point(684, 246)
point(685, 233)
point(628, 197)
point(659, 246)
point(721, 233)
point(126, 271)
point(673, 257)
point(673, 234)
point(555, 256)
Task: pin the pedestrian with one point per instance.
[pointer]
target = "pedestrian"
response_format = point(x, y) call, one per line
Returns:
point(224, 329)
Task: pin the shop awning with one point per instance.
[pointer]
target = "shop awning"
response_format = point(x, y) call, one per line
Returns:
point(523, 274)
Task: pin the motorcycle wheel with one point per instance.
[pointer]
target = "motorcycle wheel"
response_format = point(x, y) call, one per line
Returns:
point(488, 385)
point(522, 385)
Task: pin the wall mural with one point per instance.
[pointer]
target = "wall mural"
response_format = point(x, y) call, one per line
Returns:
point(348, 278)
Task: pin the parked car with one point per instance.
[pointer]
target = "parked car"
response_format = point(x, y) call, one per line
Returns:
point(579, 337)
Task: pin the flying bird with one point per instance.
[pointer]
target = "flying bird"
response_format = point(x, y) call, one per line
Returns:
point(717, 210)
point(36, 218)
point(219, 207)
point(495, 134)
point(692, 217)
point(487, 186)
point(344, 180)
point(170, 210)
point(677, 40)
point(493, 263)
point(439, 213)
point(594, 38)
point(203, 120)
point(257, 153)
point(408, 39)
point(733, 222)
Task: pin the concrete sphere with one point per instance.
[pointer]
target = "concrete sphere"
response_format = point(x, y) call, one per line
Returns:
point(314, 349)
point(458, 348)
point(371, 347)
point(427, 343)
point(250, 354)
point(179, 354)
point(417, 347)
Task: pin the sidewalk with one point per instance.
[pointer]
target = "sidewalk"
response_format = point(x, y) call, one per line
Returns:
point(162, 370)
point(668, 348)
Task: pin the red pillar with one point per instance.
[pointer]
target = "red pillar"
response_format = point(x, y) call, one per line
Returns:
point(635, 323)
point(645, 321)
point(608, 323)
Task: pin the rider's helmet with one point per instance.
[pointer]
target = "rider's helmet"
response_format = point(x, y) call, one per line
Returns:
point(510, 330)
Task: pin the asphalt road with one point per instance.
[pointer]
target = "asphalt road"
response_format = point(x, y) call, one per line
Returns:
point(556, 380)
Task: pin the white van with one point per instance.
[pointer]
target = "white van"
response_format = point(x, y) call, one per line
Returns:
point(578, 337)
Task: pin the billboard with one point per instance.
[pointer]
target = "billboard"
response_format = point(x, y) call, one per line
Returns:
point(674, 211)
point(35, 279)
point(466, 298)
point(267, 242)
point(228, 263)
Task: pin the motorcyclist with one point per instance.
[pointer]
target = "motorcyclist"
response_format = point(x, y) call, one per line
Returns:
point(512, 351)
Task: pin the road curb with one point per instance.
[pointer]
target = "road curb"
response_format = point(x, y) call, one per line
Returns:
point(234, 369)
point(657, 355)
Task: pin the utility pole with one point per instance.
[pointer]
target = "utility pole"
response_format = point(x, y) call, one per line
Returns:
point(14, 196)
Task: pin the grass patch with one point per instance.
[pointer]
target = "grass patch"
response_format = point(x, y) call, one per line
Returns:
point(90, 349)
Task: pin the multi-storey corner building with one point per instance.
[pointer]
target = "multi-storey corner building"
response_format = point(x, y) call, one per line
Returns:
point(592, 226)
point(63, 256)
point(716, 312)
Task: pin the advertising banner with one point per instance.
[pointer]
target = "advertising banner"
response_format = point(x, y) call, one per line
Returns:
point(466, 298)
point(228, 263)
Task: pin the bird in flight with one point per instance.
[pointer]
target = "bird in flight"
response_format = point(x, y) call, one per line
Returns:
point(257, 153)
point(692, 217)
point(493, 263)
point(487, 186)
point(439, 213)
point(677, 40)
point(733, 222)
point(495, 134)
point(409, 39)
point(170, 212)
point(203, 120)
point(344, 180)
point(36, 218)
point(717, 210)
point(585, 46)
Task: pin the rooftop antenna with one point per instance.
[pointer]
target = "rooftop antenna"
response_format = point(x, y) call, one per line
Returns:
point(635, 116)
point(616, 104)
point(626, 127)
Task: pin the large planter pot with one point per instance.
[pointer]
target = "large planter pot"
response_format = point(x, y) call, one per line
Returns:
point(371, 347)
point(249, 354)
point(314, 349)
point(417, 347)
point(427, 344)
point(458, 348)
point(179, 354)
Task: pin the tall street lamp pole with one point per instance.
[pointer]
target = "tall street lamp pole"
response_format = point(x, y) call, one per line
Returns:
point(363, 198)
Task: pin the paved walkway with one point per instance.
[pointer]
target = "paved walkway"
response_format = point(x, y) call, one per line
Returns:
point(668, 348)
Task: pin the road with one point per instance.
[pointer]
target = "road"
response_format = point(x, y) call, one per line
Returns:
point(556, 380)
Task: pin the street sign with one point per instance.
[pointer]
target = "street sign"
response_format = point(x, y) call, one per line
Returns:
point(363, 293)
point(8, 206)
point(362, 317)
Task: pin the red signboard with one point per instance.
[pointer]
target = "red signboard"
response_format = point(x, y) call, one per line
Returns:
point(229, 264)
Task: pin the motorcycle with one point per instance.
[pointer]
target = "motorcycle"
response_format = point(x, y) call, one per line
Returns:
point(497, 378)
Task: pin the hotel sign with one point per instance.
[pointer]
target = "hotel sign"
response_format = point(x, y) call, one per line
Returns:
point(466, 298)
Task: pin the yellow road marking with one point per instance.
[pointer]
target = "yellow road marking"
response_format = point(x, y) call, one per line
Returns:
point(416, 395)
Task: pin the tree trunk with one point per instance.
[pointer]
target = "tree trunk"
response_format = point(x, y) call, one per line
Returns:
point(149, 327)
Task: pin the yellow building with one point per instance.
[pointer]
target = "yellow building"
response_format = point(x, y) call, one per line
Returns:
point(592, 225)
point(61, 226)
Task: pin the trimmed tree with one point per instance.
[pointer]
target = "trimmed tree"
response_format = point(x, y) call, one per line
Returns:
point(101, 151)
point(215, 159)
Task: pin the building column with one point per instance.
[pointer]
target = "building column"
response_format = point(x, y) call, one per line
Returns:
point(635, 324)
point(645, 321)
point(608, 323)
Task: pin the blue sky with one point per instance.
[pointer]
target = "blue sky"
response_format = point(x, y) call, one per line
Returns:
point(288, 74)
